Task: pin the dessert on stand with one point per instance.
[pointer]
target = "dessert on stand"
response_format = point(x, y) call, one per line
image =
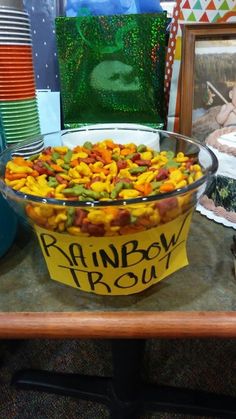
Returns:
point(219, 203)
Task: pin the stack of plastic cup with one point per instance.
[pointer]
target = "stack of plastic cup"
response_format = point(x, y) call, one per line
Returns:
point(18, 102)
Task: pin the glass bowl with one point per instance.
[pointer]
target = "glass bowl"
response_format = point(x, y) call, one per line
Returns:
point(116, 225)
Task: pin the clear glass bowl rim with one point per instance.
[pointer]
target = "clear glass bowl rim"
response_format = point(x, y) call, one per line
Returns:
point(7, 191)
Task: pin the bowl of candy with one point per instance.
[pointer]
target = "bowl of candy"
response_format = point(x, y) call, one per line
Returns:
point(111, 204)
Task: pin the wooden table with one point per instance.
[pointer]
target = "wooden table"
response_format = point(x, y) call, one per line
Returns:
point(197, 301)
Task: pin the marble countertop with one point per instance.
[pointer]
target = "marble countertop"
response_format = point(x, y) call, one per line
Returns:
point(206, 284)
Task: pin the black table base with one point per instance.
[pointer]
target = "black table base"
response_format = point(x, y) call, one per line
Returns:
point(125, 394)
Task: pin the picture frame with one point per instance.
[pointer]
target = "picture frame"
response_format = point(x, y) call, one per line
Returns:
point(208, 74)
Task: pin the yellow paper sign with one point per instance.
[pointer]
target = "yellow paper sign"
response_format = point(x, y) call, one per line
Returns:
point(118, 265)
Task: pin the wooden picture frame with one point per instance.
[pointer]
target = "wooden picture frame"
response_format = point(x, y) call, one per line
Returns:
point(204, 46)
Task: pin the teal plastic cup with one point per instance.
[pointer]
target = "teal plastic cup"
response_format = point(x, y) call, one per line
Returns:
point(8, 218)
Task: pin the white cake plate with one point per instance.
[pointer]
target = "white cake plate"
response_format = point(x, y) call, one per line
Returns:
point(212, 216)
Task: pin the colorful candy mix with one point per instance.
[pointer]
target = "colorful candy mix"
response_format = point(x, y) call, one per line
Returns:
point(104, 171)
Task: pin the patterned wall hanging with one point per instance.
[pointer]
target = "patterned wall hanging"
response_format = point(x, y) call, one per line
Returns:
point(185, 12)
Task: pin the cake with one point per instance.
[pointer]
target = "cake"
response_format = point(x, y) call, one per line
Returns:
point(221, 195)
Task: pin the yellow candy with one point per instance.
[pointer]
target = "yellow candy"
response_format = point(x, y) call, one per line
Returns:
point(146, 155)
point(61, 149)
point(75, 231)
point(197, 175)
point(112, 168)
point(129, 193)
point(98, 186)
point(181, 158)
point(181, 184)
point(80, 155)
point(14, 168)
point(17, 184)
point(83, 169)
point(60, 187)
point(96, 216)
point(196, 168)
point(176, 176)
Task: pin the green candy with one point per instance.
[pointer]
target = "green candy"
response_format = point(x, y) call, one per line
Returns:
point(171, 163)
point(156, 185)
point(115, 157)
point(88, 145)
point(130, 156)
point(170, 155)
point(91, 194)
point(137, 170)
point(127, 185)
point(34, 157)
point(67, 156)
point(55, 156)
point(116, 190)
point(75, 190)
point(141, 148)
point(133, 219)
point(47, 167)
point(52, 182)
point(65, 166)
point(70, 217)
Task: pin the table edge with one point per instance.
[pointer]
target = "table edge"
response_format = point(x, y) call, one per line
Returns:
point(109, 325)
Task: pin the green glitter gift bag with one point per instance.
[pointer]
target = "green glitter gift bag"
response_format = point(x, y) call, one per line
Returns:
point(112, 68)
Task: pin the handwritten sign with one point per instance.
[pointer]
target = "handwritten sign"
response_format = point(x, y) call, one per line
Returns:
point(118, 265)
